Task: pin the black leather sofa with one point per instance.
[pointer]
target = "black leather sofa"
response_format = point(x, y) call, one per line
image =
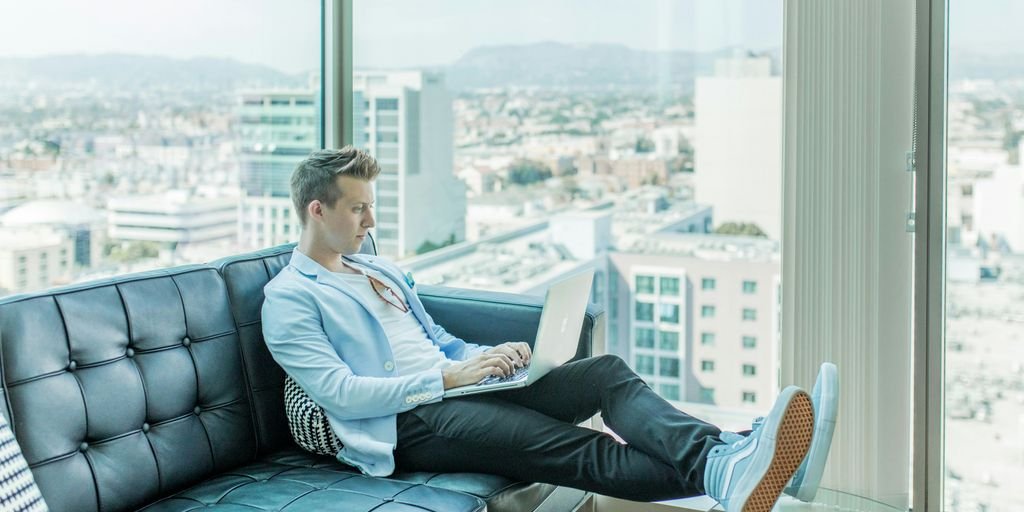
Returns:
point(155, 391)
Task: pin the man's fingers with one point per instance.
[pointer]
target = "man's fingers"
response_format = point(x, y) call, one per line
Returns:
point(500, 361)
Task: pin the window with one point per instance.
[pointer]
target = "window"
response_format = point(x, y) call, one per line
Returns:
point(749, 342)
point(668, 340)
point(387, 103)
point(707, 338)
point(749, 287)
point(387, 137)
point(386, 153)
point(669, 286)
point(669, 391)
point(707, 366)
point(579, 127)
point(387, 120)
point(749, 397)
point(644, 337)
point(209, 119)
point(644, 312)
point(644, 284)
point(749, 370)
point(984, 222)
point(707, 395)
point(644, 364)
point(669, 313)
point(749, 314)
point(668, 366)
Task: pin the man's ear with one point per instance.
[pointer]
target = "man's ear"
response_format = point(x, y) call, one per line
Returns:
point(315, 210)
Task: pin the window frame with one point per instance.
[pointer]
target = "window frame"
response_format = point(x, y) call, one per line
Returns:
point(929, 157)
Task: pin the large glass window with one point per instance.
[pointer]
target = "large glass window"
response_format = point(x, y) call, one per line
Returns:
point(984, 345)
point(541, 145)
point(133, 137)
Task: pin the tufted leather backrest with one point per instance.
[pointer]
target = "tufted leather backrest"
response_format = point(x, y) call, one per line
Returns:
point(123, 390)
point(245, 276)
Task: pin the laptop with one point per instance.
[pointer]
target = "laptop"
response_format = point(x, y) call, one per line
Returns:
point(558, 335)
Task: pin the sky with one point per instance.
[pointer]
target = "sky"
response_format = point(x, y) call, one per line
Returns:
point(284, 34)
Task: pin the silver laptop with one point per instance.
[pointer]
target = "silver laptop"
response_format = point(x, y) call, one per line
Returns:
point(561, 321)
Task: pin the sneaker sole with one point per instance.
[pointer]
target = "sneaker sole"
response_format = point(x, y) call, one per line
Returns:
point(792, 440)
point(824, 428)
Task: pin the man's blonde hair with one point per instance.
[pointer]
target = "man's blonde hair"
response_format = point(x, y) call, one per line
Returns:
point(314, 177)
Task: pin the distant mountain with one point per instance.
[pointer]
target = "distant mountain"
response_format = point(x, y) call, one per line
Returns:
point(143, 71)
point(591, 66)
point(991, 66)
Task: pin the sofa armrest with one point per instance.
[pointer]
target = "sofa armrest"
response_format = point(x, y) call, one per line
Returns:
point(490, 318)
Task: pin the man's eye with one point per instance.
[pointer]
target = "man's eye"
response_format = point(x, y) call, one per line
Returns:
point(358, 209)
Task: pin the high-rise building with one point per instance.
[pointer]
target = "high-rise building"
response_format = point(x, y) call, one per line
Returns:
point(32, 258)
point(697, 316)
point(738, 146)
point(404, 119)
point(277, 129)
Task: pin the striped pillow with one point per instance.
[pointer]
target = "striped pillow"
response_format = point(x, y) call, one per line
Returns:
point(18, 491)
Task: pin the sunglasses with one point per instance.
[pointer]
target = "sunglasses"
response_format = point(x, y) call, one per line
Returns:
point(387, 294)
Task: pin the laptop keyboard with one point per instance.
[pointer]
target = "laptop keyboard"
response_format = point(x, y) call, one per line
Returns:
point(518, 375)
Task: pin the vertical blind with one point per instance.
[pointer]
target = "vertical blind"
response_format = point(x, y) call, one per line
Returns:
point(847, 256)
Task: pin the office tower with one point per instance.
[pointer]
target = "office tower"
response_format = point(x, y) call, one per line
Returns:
point(404, 119)
point(738, 146)
point(276, 129)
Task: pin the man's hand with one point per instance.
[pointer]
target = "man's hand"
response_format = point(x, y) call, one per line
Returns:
point(476, 369)
point(518, 351)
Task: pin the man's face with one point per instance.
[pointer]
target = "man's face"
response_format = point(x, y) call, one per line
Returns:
point(346, 222)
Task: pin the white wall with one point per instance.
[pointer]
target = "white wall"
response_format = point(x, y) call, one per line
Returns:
point(738, 149)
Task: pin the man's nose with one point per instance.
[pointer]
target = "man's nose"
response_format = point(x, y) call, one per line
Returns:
point(368, 220)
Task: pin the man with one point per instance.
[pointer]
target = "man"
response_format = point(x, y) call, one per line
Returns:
point(352, 333)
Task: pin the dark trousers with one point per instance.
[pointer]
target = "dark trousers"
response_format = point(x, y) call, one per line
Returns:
point(530, 434)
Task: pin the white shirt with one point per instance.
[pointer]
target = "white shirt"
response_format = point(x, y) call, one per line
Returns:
point(412, 349)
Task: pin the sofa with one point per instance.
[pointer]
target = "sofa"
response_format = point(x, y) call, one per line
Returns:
point(154, 391)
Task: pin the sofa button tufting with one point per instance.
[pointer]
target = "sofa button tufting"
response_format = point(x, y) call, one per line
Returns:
point(72, 366)
point(145, 427)
point(186, 341)
point(83, 447)
point(130, 353)
point(197, 410)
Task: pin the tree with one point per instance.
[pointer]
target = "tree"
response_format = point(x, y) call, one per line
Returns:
point(428, 246)
point(524, 172)
point(741, 229)
point(644, 145)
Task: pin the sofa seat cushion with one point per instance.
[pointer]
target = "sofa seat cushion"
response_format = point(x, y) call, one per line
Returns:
point(293, 480)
